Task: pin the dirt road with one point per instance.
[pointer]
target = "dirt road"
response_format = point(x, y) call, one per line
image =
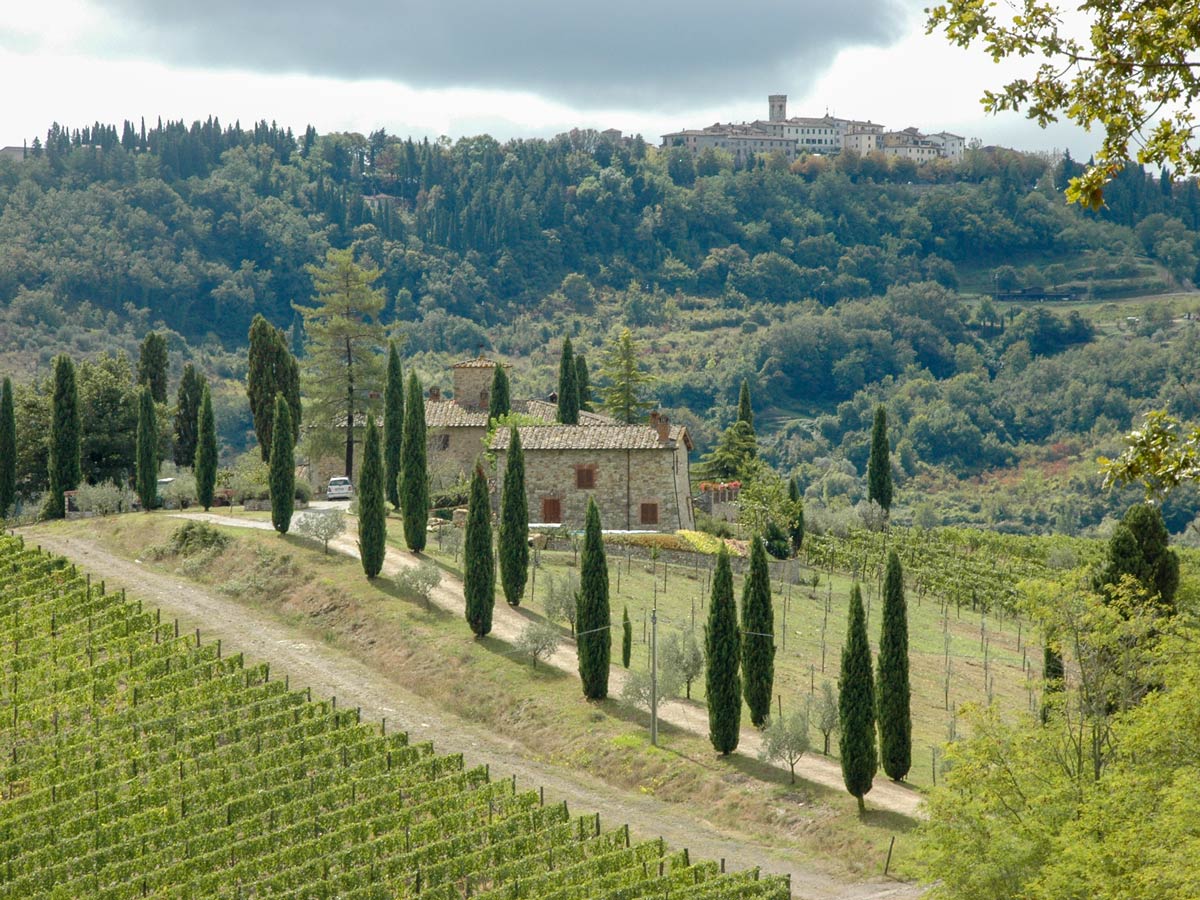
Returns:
point(331, 672)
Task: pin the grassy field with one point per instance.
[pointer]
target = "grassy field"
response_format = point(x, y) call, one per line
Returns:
point(488, 683)
point(810, 627)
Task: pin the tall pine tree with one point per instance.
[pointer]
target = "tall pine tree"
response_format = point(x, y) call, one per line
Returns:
point(745, 412)
point(63, 463)
point(372, 505)
point(514, 522)
point(282, 467)
point(583, 383)
point(758, 636)
point(393, 425)
point(721, 654)
point(187, 415)
point(592, 620)
point(153, 366)
point(568, 387)
point(626, 385)
point(206, 451)
point(499, 399)
point(8, 450)
point(895, 714)
point(414, 473)
point(879, 465)
point(479, 571)
point(856, 706)
point(146, 482)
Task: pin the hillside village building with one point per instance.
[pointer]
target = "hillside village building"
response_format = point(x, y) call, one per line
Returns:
point(639, 475)
point(828, 134)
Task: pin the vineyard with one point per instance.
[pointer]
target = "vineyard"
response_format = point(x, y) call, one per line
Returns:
point(139, 762)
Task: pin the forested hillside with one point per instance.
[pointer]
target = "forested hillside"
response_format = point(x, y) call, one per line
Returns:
point(830, 284)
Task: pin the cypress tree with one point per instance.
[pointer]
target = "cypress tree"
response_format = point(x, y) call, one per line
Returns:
point(8, 450)
point(895, 714)
point(206, 451)
point(721, 651)
point(758, 636)
point(372, 504)
point(626, 638)
point(1139, 546)
point(745, 411)
point(282, 468)
point(514, 522)
point(856, 706)
point(414, 475)
point(879, 465)
point(146, 481)
point(568, 387)
point(187, 415)
point(393, 425)
point(479, 572)
point(796, 526)
point(64, 467)
point(583, 383)
point(153, 365)
point(272, 369)
point(499, 401)
point(592, 621)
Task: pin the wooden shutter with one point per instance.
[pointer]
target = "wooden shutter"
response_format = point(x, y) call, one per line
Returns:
point(649, 513)
point(585, 477)
point(551, 510)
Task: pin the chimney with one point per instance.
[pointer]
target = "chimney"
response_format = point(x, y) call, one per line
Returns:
point(435, 393)
point(663, 424)
point(654, 418)
point(553, 398)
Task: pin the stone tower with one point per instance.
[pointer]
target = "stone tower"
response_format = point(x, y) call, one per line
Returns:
point(778, 104)
point(473, 381)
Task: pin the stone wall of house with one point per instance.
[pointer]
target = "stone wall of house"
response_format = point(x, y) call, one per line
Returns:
point(452, 453)
point(624, 480)
point(472, 385)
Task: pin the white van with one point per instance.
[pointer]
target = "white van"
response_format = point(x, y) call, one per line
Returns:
point(340, 488)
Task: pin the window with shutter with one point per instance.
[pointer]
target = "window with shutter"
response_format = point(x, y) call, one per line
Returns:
point(649, 513)
point(585, 477)
point(551, 510)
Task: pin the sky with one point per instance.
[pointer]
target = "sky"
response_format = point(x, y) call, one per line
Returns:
point(521, 68)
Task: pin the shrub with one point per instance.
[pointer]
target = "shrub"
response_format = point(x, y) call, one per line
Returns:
point(191, 538)
point(701, 542)
point(419, 580)
point(539, 640)
point(322, 526)
point(103, 499)
point(180, 492)
point(562, 597)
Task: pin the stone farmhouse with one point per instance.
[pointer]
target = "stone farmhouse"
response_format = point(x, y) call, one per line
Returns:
point(638, 474)
point(828, 134)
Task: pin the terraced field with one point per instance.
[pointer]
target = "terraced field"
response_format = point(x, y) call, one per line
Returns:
point(138, 762)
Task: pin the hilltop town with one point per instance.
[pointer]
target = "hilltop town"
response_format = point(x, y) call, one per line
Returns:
point(798, 135)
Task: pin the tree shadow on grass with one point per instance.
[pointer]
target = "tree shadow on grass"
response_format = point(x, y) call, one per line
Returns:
point(544, 672)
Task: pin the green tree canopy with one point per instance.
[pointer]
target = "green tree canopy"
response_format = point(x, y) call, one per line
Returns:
point(722, 652)
point(282, 477)
point(479, 573)
point(593, 621)
point(8, 450)
point(1129, 69)
point(893, 690)
point(514, 522)
point(745, 411)
point(393, 425)
point(568, 387)
point(153, 366)
point(499, 401)
point(583, 383)
point(414, 468)
point(624, 382)
point(1139, 547)
point(343, 362)
point(206, 451)
point(856, 706)
point(271, 370)
point(372, 505)
point(63, 462)
point(146, 481)
point(879, 464)
point(758, 636)
point(187, 415)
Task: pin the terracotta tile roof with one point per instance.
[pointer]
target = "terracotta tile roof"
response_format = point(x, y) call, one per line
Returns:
point(587, 437)
point(448, 414)
point(479, 362)
point(544, 409)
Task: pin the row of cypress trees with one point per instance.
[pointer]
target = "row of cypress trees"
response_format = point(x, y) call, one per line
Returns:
point(867, 701)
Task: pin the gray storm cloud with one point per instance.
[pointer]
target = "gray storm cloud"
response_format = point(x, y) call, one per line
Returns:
point(646, 54)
